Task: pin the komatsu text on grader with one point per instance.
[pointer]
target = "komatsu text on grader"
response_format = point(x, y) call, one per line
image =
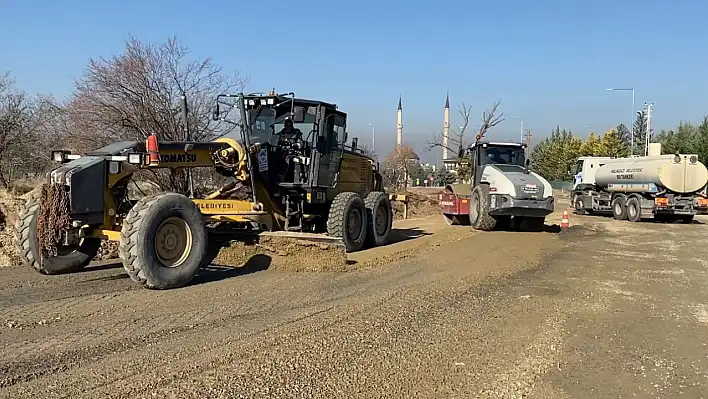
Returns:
point(307, 185)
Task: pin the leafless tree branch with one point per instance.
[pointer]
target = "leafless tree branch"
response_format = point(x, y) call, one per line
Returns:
point(489, 120)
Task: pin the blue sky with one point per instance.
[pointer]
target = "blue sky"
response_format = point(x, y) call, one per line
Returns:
point(549, 61)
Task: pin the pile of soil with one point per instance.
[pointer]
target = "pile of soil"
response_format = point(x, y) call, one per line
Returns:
point(9, 206)
point(286, 254)
point(419, 205)
point(108, 250)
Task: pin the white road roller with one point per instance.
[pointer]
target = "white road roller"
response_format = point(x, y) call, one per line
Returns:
point(667, 188)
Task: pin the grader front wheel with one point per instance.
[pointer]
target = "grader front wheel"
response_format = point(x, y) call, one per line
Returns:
point(163, 241)
point(67, 260)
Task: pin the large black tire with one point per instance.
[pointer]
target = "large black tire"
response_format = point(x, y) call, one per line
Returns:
point(634, 209)
point(68, 260)
point(479, 209)
point(686, 219)
point(379, 217)
point(348, 220)
point(163, 241)
point(619, 209)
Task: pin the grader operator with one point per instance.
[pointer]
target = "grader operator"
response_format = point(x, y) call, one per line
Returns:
point(305, 182)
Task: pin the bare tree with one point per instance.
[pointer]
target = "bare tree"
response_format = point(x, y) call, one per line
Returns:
point(489, 120)
point(457, 140)
point(369, 151)
point(397, 167)
point(23, 120)
point(136, 93)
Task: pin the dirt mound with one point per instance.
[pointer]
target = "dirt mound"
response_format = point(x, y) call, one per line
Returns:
point(420, 204)
point(9, 205)
point(285, 254)
point(108, 250)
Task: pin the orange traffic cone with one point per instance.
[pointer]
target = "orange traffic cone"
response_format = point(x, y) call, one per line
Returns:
point(565, 223)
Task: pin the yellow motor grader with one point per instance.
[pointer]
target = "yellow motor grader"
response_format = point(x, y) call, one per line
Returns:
point(310, 185)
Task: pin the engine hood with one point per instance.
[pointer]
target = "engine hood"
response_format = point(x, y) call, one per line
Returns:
point(512, 180)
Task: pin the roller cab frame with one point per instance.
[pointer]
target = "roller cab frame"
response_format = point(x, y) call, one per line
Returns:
point(502, 190)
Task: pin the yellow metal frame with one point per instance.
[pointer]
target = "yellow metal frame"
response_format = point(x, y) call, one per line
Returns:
point(356, 176)
point(265, 213)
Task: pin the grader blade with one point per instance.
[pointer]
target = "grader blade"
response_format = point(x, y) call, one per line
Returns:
point(335, 242)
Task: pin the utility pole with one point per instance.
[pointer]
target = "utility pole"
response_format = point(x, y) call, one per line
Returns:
point(527, 140)
point(648, 108)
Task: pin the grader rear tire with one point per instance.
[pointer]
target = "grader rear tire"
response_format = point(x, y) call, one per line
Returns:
point(380, 218)
point(163, 241)
point(69, 259)
point(348, 220)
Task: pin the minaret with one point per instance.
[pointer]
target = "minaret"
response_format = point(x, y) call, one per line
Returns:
point(446, 127)
point(399, 126)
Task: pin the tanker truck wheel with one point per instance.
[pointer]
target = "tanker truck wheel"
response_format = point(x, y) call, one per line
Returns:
point(619, 209)
point(163, 241)
point(579, 205)
point(686, 219)
point(634, 210)
point(479, 209)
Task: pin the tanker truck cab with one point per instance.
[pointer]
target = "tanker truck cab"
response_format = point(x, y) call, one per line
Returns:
point(667, 187)
point(584, 173)
point(504, 189)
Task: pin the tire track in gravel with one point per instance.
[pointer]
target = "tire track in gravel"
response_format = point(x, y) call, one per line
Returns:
point(350, 299)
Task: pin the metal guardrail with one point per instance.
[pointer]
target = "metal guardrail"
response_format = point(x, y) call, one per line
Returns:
point(562, 185)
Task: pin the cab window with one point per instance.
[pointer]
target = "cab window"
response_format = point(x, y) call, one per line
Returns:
point(578, 167)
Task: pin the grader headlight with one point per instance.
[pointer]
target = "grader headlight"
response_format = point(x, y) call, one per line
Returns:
point(60, 156)
point(135, 159)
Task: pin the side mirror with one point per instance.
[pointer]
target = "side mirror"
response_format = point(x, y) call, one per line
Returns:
point(215, 114)
point(346, 136)
point(461, 154)
point(528, 163)
point(299, 114)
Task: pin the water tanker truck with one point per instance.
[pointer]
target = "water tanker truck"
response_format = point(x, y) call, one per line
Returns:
point(665, 188)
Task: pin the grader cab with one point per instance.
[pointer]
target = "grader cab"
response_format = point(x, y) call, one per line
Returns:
point(292, 159)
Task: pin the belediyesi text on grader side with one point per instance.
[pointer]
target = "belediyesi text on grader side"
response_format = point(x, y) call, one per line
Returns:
point(309, 185)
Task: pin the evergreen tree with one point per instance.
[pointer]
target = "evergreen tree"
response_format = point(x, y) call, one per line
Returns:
point(612, 145)
point(624, 134)
point(555, 155)
point(640, 133)
point(592, 146)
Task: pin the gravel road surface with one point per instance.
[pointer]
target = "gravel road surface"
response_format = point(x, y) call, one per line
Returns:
point(607, 310)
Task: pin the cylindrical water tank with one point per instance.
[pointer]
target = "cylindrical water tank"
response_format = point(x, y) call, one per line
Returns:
point(677, 173)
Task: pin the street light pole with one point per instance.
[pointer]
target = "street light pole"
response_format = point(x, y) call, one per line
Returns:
point(373, 136)
point(521, 136)
point(631, 150)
